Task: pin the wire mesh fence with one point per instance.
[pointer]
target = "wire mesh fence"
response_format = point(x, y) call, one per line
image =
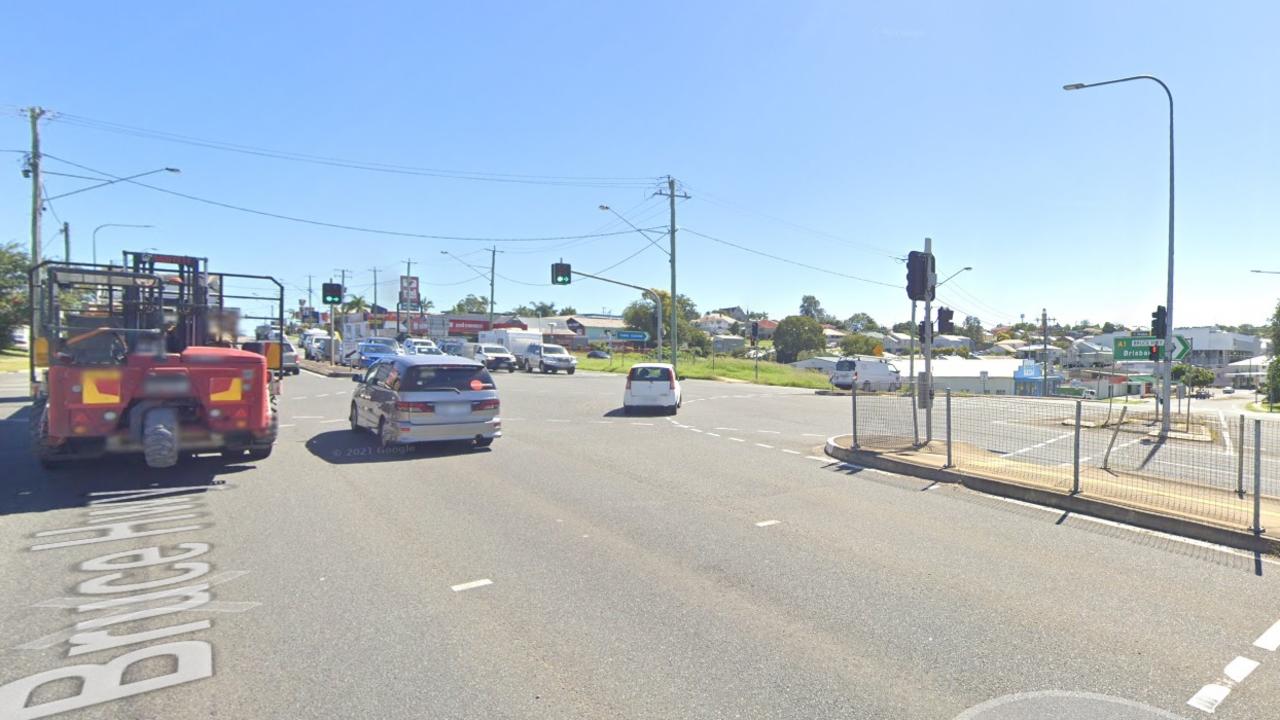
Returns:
point(1210, 466)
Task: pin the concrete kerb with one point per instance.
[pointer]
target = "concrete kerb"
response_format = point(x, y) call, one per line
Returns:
point(325, 369)
point(1071, 503)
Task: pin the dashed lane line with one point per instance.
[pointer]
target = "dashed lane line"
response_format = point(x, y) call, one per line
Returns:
point(792, 452)
point(770, 432)
point(766, 447)
point(767, 523)
point(326, 422)
point(471, 585)
point(1269, 640)
point(737, 439)
point(714, 434)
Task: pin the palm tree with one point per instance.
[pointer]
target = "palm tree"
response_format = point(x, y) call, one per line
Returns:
point(356, 304)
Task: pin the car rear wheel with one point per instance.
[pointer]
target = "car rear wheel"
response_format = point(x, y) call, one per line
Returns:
point(570, 370)
point(355, 421)
point(384, 437)
point(483, 442)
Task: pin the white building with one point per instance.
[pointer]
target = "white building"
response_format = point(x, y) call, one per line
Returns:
point(952, 341)
point(714, 323)
point(1083, 353)
point(980, 376)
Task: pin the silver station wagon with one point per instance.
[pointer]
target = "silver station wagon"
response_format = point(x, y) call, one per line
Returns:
point(427, 398)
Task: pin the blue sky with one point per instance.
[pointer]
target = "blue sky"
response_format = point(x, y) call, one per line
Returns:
point(836, 134)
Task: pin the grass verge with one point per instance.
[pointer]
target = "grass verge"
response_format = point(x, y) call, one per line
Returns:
point(1263, 407)
point(13, 360)
point(725, 369)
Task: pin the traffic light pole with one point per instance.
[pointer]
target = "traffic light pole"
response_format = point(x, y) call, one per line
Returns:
point(657, 301)
point(911, 372)
point(928, 345)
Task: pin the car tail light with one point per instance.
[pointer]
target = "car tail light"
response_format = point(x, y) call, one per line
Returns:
point(671, 381)
point(490, 404)
point(628, 382)
point(422, 407)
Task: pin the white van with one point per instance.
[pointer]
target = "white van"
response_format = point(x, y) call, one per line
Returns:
point(870, 374)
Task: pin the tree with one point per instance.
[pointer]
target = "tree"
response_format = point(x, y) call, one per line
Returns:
point(470, 304)
point(858, 344)
point(356, 304)
point(905, 327)
point(810, 307)
point(736, 328)
point(15, 311)
point(861, 322)
point(1192, 376)
point(973, 329)
point(757, 315)
point(1274, 331)
point(698, 340)
point(568, 310)
point(1273, 381)
point(639, 316)
point(796, 334)
point(1109, 327)
point(959, 350)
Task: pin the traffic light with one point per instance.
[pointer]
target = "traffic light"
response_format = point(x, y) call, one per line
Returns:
point(945, 326)
point(920, 268)
point(561, 273)
point(755, 332)
point(1160, 322)
point(1155, 353)
point(922, 328)
point(331, 293)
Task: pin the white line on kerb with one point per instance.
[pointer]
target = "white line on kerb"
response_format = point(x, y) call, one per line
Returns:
point(471, 585)
point(767, 523)
point(1269, 640)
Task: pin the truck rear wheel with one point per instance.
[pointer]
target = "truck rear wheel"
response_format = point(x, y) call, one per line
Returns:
point(160, 438)
point(45, 453)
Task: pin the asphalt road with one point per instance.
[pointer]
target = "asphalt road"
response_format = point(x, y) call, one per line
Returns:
point(710, 565)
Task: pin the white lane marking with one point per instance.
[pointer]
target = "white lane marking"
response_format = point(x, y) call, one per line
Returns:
point(471, 585)
point(791, 452)
point(307, 417)
point(1237, 670)
point(811, 435)
point(713, 434)
point(1028, 448)
point(324, 395)
point(285, 425)
point(770, 432)
point(737, 439)
point(767, 523)
point(1269, 640)
point(643, 423)
point(766, 447)
point(695, 429)
point(300, 397)
point(820, 459)
point(603, 422)
point(312, 372)
point(726, 428)
point(1209, 697)
point(326, 422)
point(558, 421)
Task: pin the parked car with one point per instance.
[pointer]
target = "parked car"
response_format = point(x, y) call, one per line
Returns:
point(368, 353)
point(1203, 394)
point(650, 386)
point(547, 358)
point(310, 344)
point(870, 375)
point(289, 361)
point(388, 342)
point(1228, 390)
point(453, 347)
point(599, 355)
point(494, 357)
point(426, 398)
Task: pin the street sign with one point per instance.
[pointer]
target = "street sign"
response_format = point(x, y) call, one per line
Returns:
point(632, 335)
point(408, 289)
point(1138, 347)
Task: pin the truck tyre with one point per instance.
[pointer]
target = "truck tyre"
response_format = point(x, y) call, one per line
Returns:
point(38, 428)
point(160, 438)
point(261, 449)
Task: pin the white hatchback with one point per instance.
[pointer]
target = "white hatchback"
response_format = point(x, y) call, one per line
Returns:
point(652, 385)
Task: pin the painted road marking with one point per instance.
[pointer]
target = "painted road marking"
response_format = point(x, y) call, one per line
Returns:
point(558, 421)
point(791, 452)
point(324, 395)
point(713, 434)
point(643, 423)
point(766, 447)
point(727, 428)
point(811, 435)
point(1209, 697)
point(285, 425)
point(1269, 640)
point(307, 417)
point(767, 523)
point(326, 422)
point(471, 585)
point(695, 429)
point(300, 397)
point(770, 432)
point(819, 459)
point(737, 439)
point(1064, 436)
point(1237, 670)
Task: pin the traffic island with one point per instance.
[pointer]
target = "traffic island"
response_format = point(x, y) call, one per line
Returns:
point(325, 369)
point(1163, 505)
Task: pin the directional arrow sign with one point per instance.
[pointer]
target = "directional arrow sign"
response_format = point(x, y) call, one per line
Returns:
point(1138, 347)
point(632, 335)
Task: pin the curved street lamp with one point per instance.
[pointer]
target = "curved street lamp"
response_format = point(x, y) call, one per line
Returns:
point(1168, 336)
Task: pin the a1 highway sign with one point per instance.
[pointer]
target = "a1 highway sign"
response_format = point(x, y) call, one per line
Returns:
point(632, 335)
point(1138, 347)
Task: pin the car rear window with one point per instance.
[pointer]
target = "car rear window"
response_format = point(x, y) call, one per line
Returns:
point(463, 378)
point(845, 365)
point(651, 373)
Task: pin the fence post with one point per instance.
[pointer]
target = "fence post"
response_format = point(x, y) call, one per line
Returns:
point(853, 392)
point(1257, 477)
point(1075, 458)
point(949, 464)
point(1106, 459)
point(1240, 461)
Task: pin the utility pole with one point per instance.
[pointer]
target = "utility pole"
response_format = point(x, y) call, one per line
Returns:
point(408, 270)
point(309, 292)
point(66, 241)
point(493, 271)
point(671, 195)
point(1044, 372)
point(375, 285)
point(928, 346)
point(37, 208)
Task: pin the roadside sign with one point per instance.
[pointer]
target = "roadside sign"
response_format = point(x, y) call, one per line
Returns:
point(408, 289)
point(632, 335)
point(1139, 347)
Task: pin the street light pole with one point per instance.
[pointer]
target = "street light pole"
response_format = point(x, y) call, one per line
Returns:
point(107, 225)
point(1169, 326)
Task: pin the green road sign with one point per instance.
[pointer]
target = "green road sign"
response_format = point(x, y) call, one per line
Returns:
point(1138, 347)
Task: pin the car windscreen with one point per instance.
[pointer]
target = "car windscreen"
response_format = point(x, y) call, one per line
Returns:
point(463, 378)
point(844, 365)
point(374, 349)
point(553, 350)
point(653, 374)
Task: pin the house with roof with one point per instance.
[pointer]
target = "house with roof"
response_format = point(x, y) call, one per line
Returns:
point(735, 312)
point(767, 328)
point(714, 323)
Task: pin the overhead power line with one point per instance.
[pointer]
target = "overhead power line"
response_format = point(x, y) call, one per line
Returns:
point(570, 180)
point(790, 261)
point(338, 226)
